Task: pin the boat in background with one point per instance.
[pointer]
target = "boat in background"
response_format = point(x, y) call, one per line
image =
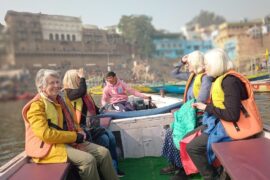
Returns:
point(170, 88)
point(147, 88)
point(261, 85)
point(96, 90)
point(143, 88)
point(258, 76)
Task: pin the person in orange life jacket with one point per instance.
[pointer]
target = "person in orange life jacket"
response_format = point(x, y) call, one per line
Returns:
point(116, 93)
point(228, 90)
point(53, 135)
point(76, 90)
point(198, 86)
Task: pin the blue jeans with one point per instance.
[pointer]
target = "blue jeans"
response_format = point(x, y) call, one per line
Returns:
point(108, 140)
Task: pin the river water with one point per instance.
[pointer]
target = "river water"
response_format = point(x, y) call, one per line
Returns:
point(12, 125)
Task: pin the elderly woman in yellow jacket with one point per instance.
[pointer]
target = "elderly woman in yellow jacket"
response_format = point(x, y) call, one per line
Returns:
point(52, 135)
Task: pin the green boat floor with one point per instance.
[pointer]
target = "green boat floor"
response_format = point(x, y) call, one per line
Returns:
point(146, 168)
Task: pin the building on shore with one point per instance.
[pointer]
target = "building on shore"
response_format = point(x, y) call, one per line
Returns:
point(176, 45)
point(246, 43)
point(54, 41)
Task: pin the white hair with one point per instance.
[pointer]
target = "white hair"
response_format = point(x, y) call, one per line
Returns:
point(218, 62)
point(196, 61)
point(42, 76)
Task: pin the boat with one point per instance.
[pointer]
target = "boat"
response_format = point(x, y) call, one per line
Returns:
point(139, 142)
point(174, 88)
point(143, 88)
point(137, 136)
point(170, 88)
point(258, 76)
point(261, 85)
point(96, 90)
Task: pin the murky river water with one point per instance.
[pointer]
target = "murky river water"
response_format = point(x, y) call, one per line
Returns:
point(12, 125)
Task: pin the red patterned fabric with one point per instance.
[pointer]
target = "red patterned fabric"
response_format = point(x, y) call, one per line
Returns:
point(67, 114)
point(188, 164)
point(90, 104)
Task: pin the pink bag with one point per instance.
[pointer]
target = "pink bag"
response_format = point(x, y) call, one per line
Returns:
point(187, 163)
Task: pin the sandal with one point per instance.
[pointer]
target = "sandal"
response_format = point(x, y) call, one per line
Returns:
point(168, 170)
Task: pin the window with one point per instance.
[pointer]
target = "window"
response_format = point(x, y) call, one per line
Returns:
point(68, 37)
point(73, 37)
point(62, 37)
point(51, 36)
point(56, 37)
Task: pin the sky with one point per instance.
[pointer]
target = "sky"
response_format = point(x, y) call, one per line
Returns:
point(168, 15)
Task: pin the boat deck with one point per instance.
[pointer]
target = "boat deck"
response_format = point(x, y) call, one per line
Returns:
point(146, 168)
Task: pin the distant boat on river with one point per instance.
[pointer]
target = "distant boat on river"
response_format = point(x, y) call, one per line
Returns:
point(261, 85)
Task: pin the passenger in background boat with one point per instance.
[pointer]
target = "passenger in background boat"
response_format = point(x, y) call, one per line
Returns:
point(85, 108)
point(115, 94)
point(224, 112)
point(53, 135)
point(198, 86)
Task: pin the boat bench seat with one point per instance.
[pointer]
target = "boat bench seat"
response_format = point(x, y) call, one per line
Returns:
point(57, 171)
point(245, 159)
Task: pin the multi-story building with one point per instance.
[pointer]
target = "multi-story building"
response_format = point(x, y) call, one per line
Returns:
point(61, 28)
point(244, 42)
point(197, 44)
point(42, 40)
point(173, 46)
point(168, 46)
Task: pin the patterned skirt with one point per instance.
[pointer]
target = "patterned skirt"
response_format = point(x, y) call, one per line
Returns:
point(169, 151)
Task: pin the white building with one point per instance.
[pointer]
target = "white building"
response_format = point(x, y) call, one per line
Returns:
point(61, 28)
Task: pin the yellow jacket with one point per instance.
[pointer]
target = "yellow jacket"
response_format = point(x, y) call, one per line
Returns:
point(196, 85)
point(37, 116)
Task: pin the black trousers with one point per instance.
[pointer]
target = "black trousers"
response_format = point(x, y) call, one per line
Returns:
point(197, 150)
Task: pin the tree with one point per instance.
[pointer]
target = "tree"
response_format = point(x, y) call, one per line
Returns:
point(137, 31)
point(206, 18)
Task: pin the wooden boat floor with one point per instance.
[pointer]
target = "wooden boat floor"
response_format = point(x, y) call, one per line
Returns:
point(146, 168)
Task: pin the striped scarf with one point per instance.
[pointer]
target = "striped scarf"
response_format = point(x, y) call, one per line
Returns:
point(67, 114)
point(90, 104)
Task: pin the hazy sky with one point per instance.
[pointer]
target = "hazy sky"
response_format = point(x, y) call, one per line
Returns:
point(167, 14)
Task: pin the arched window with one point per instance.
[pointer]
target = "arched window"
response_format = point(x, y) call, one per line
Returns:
point(51, 36)
point(73, 37)
point(56, 37)
point(68, 37)
point(62, 37)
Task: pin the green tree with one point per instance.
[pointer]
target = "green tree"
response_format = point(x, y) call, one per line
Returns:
point(206, 18)
point(137, 31)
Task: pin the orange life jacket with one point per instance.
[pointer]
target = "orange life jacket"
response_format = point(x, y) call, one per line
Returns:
point(250, 122)
point(34, 146)
point(196, 85)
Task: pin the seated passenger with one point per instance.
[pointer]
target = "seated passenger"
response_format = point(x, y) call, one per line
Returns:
point(116, 92)
point(53, 136)
point(85, 108)
point(224, 114)
point(198, 86)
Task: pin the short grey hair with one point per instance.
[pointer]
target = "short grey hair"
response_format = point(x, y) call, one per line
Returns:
point(42, 76)
point(218, 62)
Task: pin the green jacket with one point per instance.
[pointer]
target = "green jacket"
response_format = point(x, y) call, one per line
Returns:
point(184, 122)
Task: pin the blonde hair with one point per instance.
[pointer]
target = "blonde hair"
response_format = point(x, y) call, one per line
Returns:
point(218, 62)
point(196, 61)
point(70, 80)
point(41, 78)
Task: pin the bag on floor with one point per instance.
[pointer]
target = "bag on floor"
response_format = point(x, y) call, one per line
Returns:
point(187, 163)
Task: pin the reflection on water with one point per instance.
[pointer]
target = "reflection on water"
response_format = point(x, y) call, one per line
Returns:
point(263, 101)
point(11, 129)
point(12, 125)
